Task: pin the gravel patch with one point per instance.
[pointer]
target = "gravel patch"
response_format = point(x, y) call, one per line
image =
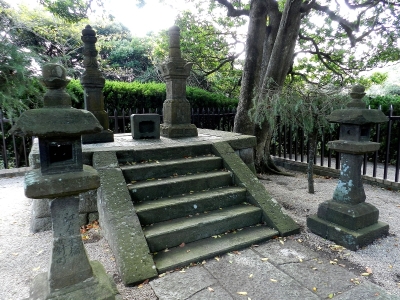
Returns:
point(23, 254)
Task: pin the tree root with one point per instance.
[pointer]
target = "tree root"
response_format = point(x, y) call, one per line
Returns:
point(267, 166)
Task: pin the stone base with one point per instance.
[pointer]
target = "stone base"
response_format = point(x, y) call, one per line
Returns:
point(105, 136)
point(351, 216)
point(351, 239)
point(99, 287)
point(178, 131)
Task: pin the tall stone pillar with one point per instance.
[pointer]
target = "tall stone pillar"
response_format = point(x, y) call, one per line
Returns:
point(176, 108)
point(347, 219)
point(92, 81)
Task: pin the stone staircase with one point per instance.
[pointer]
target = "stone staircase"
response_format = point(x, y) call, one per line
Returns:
point(189, 206)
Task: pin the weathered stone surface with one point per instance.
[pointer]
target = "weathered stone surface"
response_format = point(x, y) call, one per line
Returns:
point(351, 216)
point(69, 263)
point(257, 195)
point(266, 282)
point(195, 281)
point(176, 108)
point(353, 147)
point(93, 217)
point(145, 126)
point(99, 287)
point(88, 201)
point(121, 225)
point(93, 82)
point(347, 219)
point(351, 239)
point(60, 185)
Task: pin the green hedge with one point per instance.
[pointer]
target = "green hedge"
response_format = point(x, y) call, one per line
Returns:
point(385, 102)
point(132, 95)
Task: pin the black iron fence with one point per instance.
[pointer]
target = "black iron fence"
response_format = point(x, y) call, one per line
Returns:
point(14, 150)
point(289, 143)
point(207, 118)
point(292, 144)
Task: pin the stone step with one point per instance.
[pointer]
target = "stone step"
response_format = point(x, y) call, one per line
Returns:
point(211, 247)
point(185, 230)
point(171, 208)
point(160, 169)
point(162, 188)
point(162, 152)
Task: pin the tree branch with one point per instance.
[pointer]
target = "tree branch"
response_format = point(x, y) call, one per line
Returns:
point(232, 11)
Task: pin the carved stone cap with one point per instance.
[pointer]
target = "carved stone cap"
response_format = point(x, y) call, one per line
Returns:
point(356, 113)
point(57, 118)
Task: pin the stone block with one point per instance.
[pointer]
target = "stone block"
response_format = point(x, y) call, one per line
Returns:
point(38, 186)
point(40, 224)
point(256, 193)
point(351, 239)
point(40, 208)
point(88, 201)
point(353, 217)
point(93, 217)
point(121, 225)
point(145, 126)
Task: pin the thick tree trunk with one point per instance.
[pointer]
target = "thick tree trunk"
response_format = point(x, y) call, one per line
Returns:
point(312, 138)
point(278, 66)
point(251, 70)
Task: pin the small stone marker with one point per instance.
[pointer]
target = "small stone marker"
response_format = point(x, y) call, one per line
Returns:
point(145, 126)
point(176, 108)
point(62, 177)
point(347, 219)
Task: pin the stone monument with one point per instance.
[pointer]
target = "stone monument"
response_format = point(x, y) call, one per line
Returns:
point(92, 81)
point(347, 219)
point(61, 177)
point(176, 108)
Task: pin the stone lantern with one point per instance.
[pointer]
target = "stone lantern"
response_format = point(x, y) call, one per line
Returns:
point(62, 177)
point(347, 219)
point(176, 108)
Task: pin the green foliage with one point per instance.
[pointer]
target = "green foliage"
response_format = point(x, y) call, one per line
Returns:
point(132, 95)
point(385, 102)
point(19, 89)
point(72, 11)
point(209, 40)
point(299, 106)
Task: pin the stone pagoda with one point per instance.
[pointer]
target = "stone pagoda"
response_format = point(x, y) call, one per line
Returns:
point(62, 177)
point(347, 219)
point(93, 81)
point(176, 108)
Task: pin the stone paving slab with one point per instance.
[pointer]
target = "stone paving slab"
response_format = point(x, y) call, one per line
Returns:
point(247, 272)
point(273, 271)
point(289, 251)
point(182, 285)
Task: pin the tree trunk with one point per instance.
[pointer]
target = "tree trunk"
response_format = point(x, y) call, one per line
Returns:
point(312, 138)
point(278, 66)
point(251, 70)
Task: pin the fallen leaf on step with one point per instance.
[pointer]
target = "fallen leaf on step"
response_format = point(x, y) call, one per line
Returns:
point(264, 259)
point(236, 252)
point(216, 258)
point(242, 293)
point(369, 270)
point(251, 276)
point(330, 296)
point(36, 269)
point(333, 262)
point(365, 274)
point(314, 289)
point(182, 245)
point(210, 289)
point(162, 275)
point(273, 280)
